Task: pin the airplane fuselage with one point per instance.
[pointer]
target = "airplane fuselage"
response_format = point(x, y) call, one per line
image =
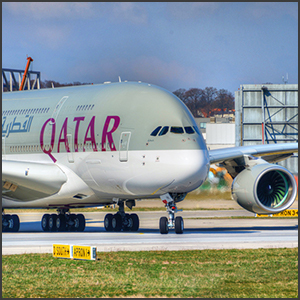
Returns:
point(119, 140)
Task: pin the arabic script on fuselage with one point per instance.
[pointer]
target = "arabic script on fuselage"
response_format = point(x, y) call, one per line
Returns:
point(17, 125)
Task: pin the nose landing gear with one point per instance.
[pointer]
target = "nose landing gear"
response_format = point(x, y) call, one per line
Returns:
point(172, 223)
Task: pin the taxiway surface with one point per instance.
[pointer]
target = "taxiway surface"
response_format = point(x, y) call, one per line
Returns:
point(210, 229)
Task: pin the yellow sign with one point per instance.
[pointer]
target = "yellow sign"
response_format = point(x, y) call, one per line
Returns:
point(84, 252)
point(75, 252)
point(63, 251)
point(285, 213)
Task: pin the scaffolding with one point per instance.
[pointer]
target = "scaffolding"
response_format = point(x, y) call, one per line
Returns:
point(12, 80)
point(285, 130)
point(267, 114)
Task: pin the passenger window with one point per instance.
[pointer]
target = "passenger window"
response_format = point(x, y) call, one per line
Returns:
point(164, 130)
point(189, 130)
point(155, 131)
point(177, 130)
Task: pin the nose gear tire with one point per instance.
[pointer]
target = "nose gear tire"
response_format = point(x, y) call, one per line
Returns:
point(179, 225)
point(163, 225)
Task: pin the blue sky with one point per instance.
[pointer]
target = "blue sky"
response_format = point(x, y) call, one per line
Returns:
point(170, 44)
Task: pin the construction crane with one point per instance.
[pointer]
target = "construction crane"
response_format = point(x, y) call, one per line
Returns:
point(29, 60)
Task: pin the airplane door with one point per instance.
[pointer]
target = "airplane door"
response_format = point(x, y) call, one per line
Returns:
point(3, 148)
point(58, 106)
point(70, 143)
point(124, 145)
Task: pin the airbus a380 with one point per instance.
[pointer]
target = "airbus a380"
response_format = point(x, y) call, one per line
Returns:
point(115, 143)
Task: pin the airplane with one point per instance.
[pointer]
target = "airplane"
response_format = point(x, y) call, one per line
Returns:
point(115, 143)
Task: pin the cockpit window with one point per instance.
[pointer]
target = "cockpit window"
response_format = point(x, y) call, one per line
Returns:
point(189, 130)
point(164, 130)
point(176, 129)
point(155, 131)
point(159, 130)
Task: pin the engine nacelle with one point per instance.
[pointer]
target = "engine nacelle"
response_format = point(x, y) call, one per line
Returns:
point(264, 189)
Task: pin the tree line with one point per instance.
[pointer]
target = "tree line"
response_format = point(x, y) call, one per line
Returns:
point(52, 83)
point(205, 102)
point(201, 102)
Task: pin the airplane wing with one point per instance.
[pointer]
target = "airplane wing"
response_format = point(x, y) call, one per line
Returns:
point(26, 181)
point(233, 159)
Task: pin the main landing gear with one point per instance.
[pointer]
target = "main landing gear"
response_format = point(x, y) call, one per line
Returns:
point(10, 223)
point(164, 223)
point(121, 220)
point(63, 221)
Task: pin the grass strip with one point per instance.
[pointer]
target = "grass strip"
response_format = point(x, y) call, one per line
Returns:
point(271, 273)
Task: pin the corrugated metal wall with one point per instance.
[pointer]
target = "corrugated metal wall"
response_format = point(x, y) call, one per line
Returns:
point(220, 133)
point(267, 114)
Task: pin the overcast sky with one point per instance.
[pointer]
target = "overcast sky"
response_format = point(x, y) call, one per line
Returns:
point(173, 45)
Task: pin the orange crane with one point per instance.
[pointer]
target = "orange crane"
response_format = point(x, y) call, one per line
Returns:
point(29, 60)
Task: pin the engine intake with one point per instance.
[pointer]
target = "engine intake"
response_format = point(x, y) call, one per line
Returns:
point(264, 188)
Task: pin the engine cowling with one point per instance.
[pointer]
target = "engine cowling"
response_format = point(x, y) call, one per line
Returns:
point(264, 189)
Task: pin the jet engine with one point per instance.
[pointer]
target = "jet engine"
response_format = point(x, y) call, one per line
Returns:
point(264, 189)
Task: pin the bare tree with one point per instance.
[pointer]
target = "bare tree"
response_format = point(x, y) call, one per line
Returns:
point(52, 83)
point(224, 101)
point(204, 101)
point(194, 100)
point(180, 94)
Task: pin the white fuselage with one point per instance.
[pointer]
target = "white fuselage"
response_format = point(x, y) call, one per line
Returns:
point(107, 152)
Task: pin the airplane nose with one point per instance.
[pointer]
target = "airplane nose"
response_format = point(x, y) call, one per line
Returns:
point(177, 171)
point(189, 171)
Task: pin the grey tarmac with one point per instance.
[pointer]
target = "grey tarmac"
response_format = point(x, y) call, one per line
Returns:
point(204, 229)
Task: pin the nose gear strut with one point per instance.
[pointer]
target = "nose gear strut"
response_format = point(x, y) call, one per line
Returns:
point(171, 223)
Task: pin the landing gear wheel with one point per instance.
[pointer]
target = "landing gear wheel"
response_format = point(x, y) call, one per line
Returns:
point(79, 222)
point(4, 221)
point(9, 223)
point(127, 223)
point(135, 222)
point(45, 222)
point(122, 221)
point(60, 223)
point(107, 222)
point(163, 225)
point(15, 223)
point(52, 222)
point(72, 219)
point(116, 222)
point(179, 225)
